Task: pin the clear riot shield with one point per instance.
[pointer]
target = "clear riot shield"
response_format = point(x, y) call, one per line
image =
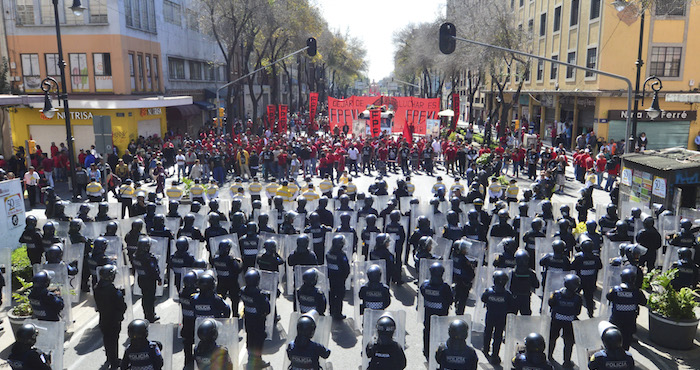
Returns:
point(50, 340)
point(609, 251)
point(289, 243)
point(369, 334)
point(353, 219)
point(61, 228)
point(518, 328)
point(279, 239)
point(92, 230)
point(543, 246)
point(300, 221)
point(73, 252)
point(424, 274)
point(438, 221)
point(321, 335)
point(442, 248)
point(557, 211)
point(163, 333)
point(611, 278)
point(626, 209)
point(227, 338)
point(554, 282)
point(359, 273)
point(173, 224)
point(361, 225)
point(525, 226)
point(122, 281)
point(600, 210)
point(405, 204)
point(196, 250)
point(159, 249)
point(269, 284)
point(321, 283)
point(588, 338)
point(475, 254)
point(6, 271)
point(439, 327)
point(200, 221)
point(274, 219)
point(214, 245)
point(495, 248)
point(670, 257)
point(380, 202)
point(482, 281)
point(125, 225)
point(115, 249)
point(60, 285)
point(373, 244)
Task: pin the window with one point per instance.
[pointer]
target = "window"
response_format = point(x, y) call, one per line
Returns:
point(192, 20)
point(52, 69)
point(79, 72)
point(195, 70)
point(98, 11)
point(671, 7)
point(557, 19)
point(522, 3)
point(573, 19)
point(156, 75)
point(132, 71)
point(149, 77)
point(595, 9)
point(554, 71)
point(102, 65)
point(527, 73)
point(140, 14)
point(665, 61)
point(591, 60)
point(171, 12)
point(571, 59)
point(543, 24)
point(25, 12)
point(139, 71)
point(210, 72)
point(66, 16)
point(30, 72)
point(531, 26)
point(137, 13)
point(512, 4)
point(176, 69)
point(540, 70)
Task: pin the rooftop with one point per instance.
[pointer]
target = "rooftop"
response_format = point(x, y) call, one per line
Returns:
point(666, 159)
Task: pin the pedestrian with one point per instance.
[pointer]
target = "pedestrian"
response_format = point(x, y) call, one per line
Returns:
point(31, 183)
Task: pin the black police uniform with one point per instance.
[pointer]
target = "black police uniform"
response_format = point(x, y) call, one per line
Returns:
point(111, 307)
point(503, 230)
point(522, 362)
point(318, 238)
point(256, 307)
point(32, 238)
point(603, 360)
point(607, 223)
point(456, 358)
point(227, 271)
point(249, 250)
point(385, 255)
point(366, 235)
point(23, 358)
point(687, 276)
point(498, 306)
point(305, 355)
point(529, 238)
point(338, 272)
point(565, 309)
point(212, 232)
point(649, 238)
point(522, 284)
point(148, 271)
point(210, 305)
point(46, 305)
point(687, 239)
point(504, 260)
point(397, 233)
point(210, 356)
point(188, 320)
point(475, 231)
point(552, 262)
point(131, 240)
point(143, 357)
point(374, 296)
point(178, 262)
point(463, 275)
point(311, 298)
point(385, 356)
point(437, 298)
point(587, 268)
point(191, 232)
point(625, 303)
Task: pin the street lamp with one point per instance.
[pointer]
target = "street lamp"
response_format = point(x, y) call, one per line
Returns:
point(46, 86)
point(77, 8)
point(620, 5)
point(654, 111)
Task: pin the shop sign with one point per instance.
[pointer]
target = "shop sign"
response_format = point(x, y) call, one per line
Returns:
point(74, 115)
point(151, 111)
point(581, 101)
point(659, 188)
point(667, 115)
point(626, 178)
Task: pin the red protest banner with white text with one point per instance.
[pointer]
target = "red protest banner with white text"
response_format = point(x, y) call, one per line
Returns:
point(455, 108)
point(282, 126)
point(375, 122)
point(402, 110)
point(271, 116)
point(313, 105)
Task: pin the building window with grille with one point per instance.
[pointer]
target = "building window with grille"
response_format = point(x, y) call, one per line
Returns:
point(172, 13)
point(176, 68)
point(192, 20)
point(139, 72)
point(65, 15)
point(132, 71)
point(671, 7)
point(591, 61)
point(557, 19)
point(195, 70)
point(25, 12)
point(98, 11)
point(554, 69)
point(540, 70)
point(78, 65)
point(571, 59)
point(102, 64)
point(31, 73)
point(665, 61)
point(52, 69)
point(573, 20)
point(149, 76)
point(140, 14)
point(595, 9)
point(543, 24)
point(156, 74)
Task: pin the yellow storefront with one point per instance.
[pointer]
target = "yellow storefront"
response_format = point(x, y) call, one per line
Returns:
point(129, 119)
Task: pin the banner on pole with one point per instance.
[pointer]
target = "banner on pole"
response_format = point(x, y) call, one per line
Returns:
point(455, 108)
point(282, 126)
point(271, 115)
point(313, 105)
point(375, 121)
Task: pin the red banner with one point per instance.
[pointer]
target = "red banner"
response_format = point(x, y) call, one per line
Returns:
point(271, 115)
point(400, 111)
point(375, 122)
point(455, 108)
point(313, 105)
point(282, 126)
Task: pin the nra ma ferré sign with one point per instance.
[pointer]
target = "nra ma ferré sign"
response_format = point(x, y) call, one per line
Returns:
point(666, 116)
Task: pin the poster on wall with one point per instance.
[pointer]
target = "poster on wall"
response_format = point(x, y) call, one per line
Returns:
point(12, 197)
point(659, 187)
point(626, 176)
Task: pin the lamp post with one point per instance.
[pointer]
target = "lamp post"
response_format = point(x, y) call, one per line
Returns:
point(49, 83)
point(654, 111)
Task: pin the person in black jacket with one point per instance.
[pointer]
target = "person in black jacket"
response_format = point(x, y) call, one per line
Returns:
point(46, 305)
point(227, 270)
point(384, 353)
point(256, 307)
point(31, 237)
point(110, 304)
point(141, 352)
point(148, 271)
point(24, 355)
point(338, 271)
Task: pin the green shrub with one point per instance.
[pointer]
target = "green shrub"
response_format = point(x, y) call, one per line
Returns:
point(667, 301)
point(21, 267)
point(21, 297)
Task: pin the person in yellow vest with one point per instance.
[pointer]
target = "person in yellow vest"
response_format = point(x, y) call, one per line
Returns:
point(310, 194)
point(351, 189)
point(439, 186)
point(238, 183)
point(271, 190)
point(457, 186)
point(495, 190)
point(326, 187)
point(293, 189)
point(174, 192)
point(212, 190)
point(409, 186)
point(284, 192)
point(512, 192)
point(197, 192)
point(343, 178)
point(95, 191)
point(255, 188)
point(127, 193)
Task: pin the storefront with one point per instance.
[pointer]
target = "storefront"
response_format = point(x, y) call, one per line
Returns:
point(128, 119)
point(670, 129)
point(668, 177)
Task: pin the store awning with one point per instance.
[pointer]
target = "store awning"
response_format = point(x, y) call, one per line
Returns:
point(205, 105)
point(447, 113)
point(182, 112)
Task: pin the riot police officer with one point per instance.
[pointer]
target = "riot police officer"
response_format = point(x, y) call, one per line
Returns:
point(31, 237)
point(308, 296)
point(98, 258)
point(131, 239)
point(523, 281)
point(214, 208)
point(437, 299)
point(649, 238)
point(302, 255)
point(238, 224)
point(366, 233)
point(181, 259)
point(565, 306)
point(270, 260)
point(208, 354)
point(503, 229)
point(227, 270)
point(523, 210)
point(338, 272)
point(54, 255)
point(148, 271)
point(103, 212)
point(686, 238)
point(46, 305)
point(507, 258)
point(189, 230)
point(463, 274)
point(625, 300)
point(318, 231)
point(533, 358)
point(613, 356)
point(453, 229)
point(587, 264)
point(530, 239)
point(397, 232)
point(141, 352)
point(455, 353)
point(422, 230)
point(84, 213)
point(302, 352)
point(214, 228)
point(381, 252)
point(49, 237)
point(75, 236)
point(619, 233)
point(111, 306)
point(207, 303)
point(256, 307)
point(326, 215)
point(263, 219)
point(556, 261)
point(345, 227)
point(249, 245)
point(688, 271)
point(189, 288)
point(609, 219)
point(287, 226)
point(24, 355)
point(593, 235)
point(59, 212)
point(374, 294)
point(564, 234)
point(499, 302)
point(384, 352)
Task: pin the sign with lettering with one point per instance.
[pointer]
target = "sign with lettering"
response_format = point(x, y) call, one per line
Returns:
point(406, 110)
point(665, 116)
point(659, 188)
point(375, 121)
point(626, 178)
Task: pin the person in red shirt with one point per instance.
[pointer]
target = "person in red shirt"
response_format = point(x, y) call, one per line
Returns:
point(450, 158)
point(47, 166)
point(600, 165)
point(54, 150)
point(282, 165)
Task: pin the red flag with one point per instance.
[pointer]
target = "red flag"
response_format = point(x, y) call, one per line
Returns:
point(375, 121)
point(407, 132)
point(271, 115)
point(313, 105)
point(455, 108)
point(282, 127)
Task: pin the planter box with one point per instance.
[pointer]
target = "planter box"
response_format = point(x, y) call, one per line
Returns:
point(670, 333)
point(16, 322)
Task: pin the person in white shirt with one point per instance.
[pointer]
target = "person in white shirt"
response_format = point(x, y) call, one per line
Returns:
point(180, 161)
point(353, 155)
point(31, 183)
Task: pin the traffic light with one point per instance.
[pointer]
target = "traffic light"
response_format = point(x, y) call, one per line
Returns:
point(448, 31)
point(311, 45)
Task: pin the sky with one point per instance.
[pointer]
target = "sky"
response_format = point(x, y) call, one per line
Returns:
point(374, 22)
